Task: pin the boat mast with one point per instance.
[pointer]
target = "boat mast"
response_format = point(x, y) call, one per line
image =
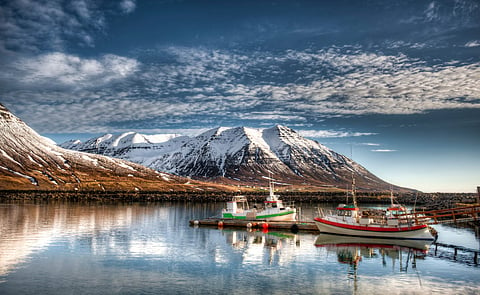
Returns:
point(391, 196)
point(271, 187)
point(354, 197)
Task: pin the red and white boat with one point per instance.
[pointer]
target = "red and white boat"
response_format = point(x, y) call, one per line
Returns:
point(393, 223)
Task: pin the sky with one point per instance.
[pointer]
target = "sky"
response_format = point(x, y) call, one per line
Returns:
point(393, 84)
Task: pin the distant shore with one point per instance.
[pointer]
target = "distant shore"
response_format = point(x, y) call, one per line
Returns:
point(425, 200)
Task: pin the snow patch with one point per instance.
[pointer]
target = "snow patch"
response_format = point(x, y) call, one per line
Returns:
point(121, 164)
point(159, 138)
point(33, 161)
point(33, 180)
point(94, 161)
point(165, 176)
point(10, 158)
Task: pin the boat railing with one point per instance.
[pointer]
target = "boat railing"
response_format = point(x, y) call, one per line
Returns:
point(322, 212)
point(290, 204)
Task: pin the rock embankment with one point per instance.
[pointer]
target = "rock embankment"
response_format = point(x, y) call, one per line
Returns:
point(420, 200)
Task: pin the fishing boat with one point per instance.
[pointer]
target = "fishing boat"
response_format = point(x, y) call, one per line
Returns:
point(273, 209)
point(393, 223)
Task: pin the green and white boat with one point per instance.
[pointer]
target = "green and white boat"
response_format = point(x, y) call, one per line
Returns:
point(273, 209)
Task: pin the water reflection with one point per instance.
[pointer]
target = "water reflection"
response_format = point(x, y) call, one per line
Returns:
point(257, 247)
point(351, 250)
point(105, 229)
point(62, 247)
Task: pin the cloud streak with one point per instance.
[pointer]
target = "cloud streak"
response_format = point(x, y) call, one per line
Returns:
point(332, 133)
point(383, 151)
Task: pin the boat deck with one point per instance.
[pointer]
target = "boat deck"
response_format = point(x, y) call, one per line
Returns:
point(293, 226)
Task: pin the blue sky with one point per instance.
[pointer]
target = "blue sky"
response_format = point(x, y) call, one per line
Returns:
point(395, 84)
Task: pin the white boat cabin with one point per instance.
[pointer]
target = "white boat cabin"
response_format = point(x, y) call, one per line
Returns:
point(238, 204)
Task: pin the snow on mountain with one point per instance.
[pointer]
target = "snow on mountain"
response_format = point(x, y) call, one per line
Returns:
point(30, 161)
point(242, 154)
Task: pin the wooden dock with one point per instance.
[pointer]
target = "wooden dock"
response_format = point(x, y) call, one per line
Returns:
point(292, 226)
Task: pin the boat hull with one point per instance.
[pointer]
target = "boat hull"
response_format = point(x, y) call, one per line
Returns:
point(416, 232)
point(283, 216)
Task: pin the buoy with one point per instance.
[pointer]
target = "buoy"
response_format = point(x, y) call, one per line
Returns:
point(220, 224)
point(249, 225)
point(264, 227)
point(195, 222)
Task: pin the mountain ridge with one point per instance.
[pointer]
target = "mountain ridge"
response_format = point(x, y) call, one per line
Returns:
point(247, 156)
point(29, 161)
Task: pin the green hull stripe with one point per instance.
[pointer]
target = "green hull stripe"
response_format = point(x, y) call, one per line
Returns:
point(230, 215)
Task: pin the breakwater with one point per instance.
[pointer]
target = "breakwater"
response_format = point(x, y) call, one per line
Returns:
point(421, 200)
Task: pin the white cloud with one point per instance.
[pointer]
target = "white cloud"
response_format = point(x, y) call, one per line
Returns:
point(355, 83)
point(212, 84)
point(474, 43)
point(127, 6)
point(383, 85)
point(60, 69)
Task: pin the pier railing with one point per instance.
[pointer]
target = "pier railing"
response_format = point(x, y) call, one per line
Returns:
point(452, 215)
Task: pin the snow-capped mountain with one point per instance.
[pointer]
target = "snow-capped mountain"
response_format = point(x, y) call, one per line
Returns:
point(30, 161)
point(239, 154)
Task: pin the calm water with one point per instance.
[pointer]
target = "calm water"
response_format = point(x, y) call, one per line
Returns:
point(94, 248)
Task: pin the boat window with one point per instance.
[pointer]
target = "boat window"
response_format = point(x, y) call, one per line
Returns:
point(344, 213)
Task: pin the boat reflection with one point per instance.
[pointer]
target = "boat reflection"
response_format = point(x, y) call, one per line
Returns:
point(351, 250)
point(255, 245)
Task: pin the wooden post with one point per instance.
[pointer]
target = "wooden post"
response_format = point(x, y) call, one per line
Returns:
point(478, 194)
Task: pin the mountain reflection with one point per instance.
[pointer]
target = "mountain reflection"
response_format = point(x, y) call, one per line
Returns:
point(26, 229)
point(257, 247)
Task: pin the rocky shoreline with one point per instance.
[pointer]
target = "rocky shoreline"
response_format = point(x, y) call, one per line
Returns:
point(421, 200)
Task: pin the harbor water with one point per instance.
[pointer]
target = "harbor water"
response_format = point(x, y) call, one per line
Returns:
point(60, 247)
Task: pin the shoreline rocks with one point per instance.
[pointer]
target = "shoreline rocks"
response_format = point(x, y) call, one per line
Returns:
point(424, 201)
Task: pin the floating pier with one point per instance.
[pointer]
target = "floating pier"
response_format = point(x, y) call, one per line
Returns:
point(293, 226)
